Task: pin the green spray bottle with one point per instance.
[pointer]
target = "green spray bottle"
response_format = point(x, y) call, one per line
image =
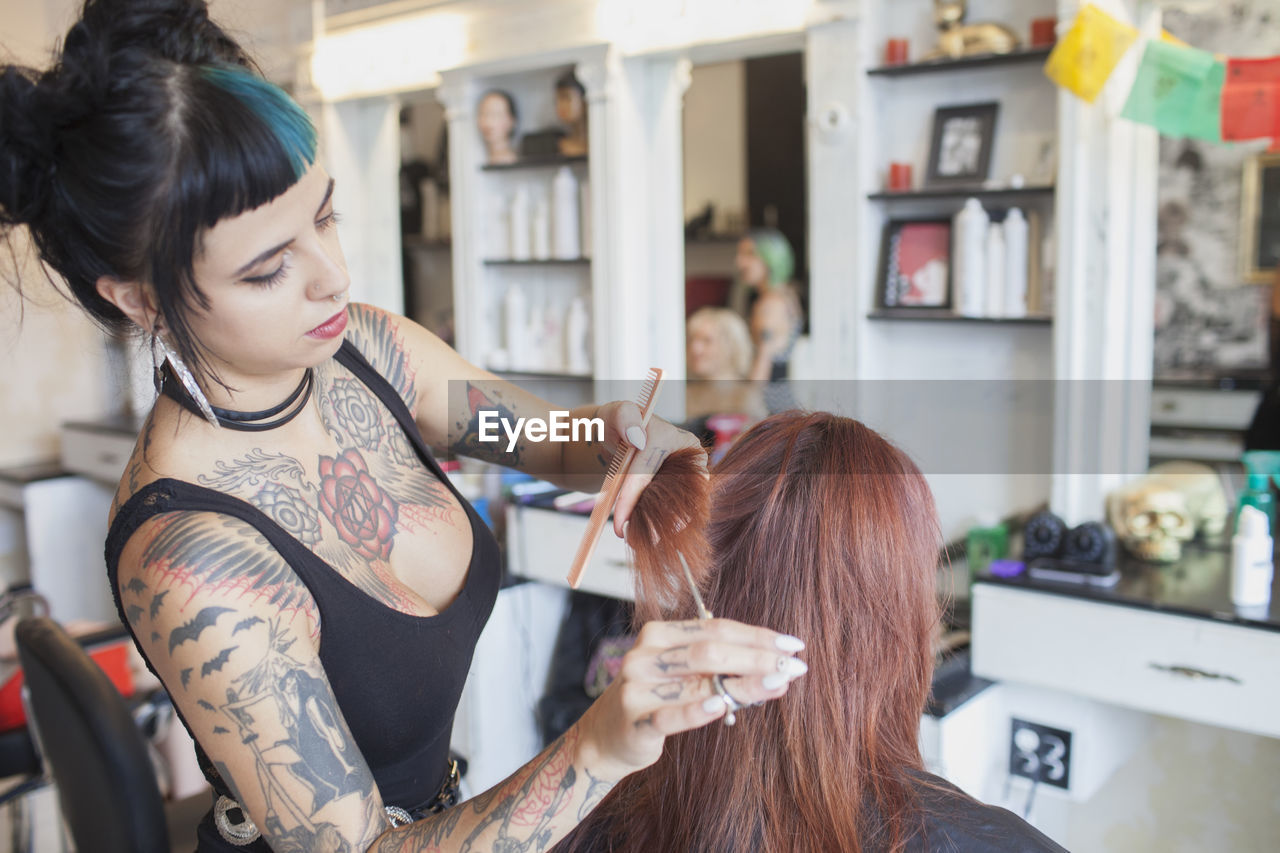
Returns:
point(1261, 466)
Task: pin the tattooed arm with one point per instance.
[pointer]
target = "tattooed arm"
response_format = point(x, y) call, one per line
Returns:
point(449, 395)
point(234, 636)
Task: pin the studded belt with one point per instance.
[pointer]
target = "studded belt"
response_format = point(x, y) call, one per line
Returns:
point(236, 828)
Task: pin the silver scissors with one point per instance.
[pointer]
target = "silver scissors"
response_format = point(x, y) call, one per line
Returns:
point(717, 681)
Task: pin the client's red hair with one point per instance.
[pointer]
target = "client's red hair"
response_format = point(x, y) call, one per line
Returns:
point(819, 528)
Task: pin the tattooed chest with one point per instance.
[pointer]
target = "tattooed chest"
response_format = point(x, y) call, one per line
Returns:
point(364, 503)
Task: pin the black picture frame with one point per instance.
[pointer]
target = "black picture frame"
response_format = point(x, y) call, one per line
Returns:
point(963, 136)
point(890, 284)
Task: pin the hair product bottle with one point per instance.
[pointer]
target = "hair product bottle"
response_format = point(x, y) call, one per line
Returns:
point(1251, 559)
point(969, 275)
point(566, 225)
point(1015, 264)
point(584, 192)
point(995, 271)
point(577, 358)
point(541, 230)
point(515, 319)
point(519, 226)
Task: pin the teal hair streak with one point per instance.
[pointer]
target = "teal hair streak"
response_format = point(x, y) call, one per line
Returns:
point(290, 123)
point(775, 251)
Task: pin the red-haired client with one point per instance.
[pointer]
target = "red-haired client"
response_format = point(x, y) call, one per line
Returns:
point(815, 525)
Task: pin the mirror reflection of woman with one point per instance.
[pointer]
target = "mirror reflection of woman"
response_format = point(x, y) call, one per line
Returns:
point(284, 548)
point(719, 356)
point(765, 265)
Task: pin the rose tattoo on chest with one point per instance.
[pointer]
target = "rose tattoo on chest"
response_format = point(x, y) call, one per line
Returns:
point(363, 515)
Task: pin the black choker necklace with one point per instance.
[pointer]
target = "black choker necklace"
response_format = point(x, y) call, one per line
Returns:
point(245, 421)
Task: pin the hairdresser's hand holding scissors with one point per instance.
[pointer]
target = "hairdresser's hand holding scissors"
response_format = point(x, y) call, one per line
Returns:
point(665, 686)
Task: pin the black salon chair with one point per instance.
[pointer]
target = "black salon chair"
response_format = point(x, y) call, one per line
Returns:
point(105, 779)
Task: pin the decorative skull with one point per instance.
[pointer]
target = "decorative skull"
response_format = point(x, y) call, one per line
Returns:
point(1156, 514)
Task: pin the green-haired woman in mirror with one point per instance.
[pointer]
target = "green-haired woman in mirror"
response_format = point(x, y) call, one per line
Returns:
point(765, 265)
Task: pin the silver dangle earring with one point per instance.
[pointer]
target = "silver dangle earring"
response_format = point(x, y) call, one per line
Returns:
point(160, 353)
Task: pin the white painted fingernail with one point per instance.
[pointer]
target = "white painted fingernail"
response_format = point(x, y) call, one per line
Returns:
point(635, 435)
point(793, 667)
point(788, 643)
point(714, 705)
point(774, 680)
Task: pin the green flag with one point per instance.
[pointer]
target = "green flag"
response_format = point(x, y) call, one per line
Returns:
point(1170, 80)
point(1204, 118)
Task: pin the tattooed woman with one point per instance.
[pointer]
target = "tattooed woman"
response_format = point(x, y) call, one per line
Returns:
point(284, 549)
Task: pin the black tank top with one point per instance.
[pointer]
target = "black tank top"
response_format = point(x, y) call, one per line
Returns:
point(397, 677)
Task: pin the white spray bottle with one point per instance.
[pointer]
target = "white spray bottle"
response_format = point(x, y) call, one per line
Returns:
point(1251, 554)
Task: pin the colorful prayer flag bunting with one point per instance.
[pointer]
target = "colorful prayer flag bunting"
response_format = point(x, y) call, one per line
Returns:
point(1179, 90)
point(1204, 116)
point(1169, 81)
point(1251, 99)
point(1085, 57)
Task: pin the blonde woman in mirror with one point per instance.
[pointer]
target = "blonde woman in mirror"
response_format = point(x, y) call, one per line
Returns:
point(719, 354)
point(765, 264)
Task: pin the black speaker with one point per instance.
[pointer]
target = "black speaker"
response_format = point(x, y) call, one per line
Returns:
point(1043, 535)
point(1091, 542)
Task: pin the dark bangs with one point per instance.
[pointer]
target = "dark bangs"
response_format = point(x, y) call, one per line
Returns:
point(238, 141)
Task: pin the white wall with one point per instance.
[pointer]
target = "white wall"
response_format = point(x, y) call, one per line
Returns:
point(52, 365)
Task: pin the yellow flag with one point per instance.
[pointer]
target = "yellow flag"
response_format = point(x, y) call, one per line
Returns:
point(1086, 56)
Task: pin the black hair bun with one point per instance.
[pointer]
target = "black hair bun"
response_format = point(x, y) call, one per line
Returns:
point(25, 160)
point(115, 40)
point(177, 30)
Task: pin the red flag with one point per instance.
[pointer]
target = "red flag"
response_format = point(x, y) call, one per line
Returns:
point(1251, 99)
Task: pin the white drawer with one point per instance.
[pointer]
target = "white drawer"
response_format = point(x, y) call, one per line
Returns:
point(541, 544)
point(1130, 657)
point(96, 454)
point(1205, 408)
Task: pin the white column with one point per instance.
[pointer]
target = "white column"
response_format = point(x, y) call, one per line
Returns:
point(1104, 294)
point(835, 76)
point(362, 153)
point(457, 93)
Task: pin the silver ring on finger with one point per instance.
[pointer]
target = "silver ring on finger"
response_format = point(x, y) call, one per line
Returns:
point(733, 705)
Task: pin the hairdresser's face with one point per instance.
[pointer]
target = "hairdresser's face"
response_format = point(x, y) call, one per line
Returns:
point(495, 120)
point(276, 282)
point(751, 269)
point(707, 353)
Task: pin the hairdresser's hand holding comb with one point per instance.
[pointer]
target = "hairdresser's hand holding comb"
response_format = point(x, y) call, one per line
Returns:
point(654, 444)
point(665, 687)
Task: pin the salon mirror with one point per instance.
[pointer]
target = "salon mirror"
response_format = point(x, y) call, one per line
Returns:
point(744, 176)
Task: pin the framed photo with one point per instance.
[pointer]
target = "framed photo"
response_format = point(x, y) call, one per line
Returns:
point(915, 264)
point(962, 141)
point(1260, 219)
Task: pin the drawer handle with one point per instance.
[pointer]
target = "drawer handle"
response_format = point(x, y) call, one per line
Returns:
point(1193, 673)
point(618, 564)
point(108, 458)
